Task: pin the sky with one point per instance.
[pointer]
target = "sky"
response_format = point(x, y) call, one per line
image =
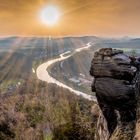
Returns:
point(78, 18)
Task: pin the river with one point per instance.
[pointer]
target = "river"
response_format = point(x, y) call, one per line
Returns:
point(43, 74)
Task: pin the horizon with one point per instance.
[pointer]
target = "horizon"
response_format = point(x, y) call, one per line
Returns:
point(70, 36)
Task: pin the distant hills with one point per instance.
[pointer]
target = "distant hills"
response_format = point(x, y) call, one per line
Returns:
point(124, 42)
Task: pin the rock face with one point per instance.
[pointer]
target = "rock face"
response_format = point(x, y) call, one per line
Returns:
point(138, 106)
point(114, 83)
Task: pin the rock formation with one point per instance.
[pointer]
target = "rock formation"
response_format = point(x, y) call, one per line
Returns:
point(115, 86)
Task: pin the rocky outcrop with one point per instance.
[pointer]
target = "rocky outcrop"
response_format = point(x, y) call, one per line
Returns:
point(115, 75)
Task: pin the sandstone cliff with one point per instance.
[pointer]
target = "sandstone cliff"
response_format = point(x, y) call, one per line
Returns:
point(116, 84)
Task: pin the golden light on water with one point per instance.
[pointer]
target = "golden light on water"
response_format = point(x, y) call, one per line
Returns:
point(50, 15)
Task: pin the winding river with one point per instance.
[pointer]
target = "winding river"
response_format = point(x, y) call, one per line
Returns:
point(43, 74)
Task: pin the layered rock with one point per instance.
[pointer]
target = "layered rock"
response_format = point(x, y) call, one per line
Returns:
point(114, 84)
point(112, 63)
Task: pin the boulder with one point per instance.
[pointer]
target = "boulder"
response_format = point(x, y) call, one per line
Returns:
point(112, 63)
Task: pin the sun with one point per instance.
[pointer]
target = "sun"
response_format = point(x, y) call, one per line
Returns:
point(49, 15)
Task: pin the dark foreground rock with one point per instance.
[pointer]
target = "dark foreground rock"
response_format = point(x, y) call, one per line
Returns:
point(115, 83)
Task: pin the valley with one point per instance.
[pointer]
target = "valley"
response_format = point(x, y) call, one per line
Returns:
point(40, 79)
point(20, 57)
point(42, 72)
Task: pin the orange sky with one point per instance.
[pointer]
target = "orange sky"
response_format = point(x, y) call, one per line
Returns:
point(80, 17)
